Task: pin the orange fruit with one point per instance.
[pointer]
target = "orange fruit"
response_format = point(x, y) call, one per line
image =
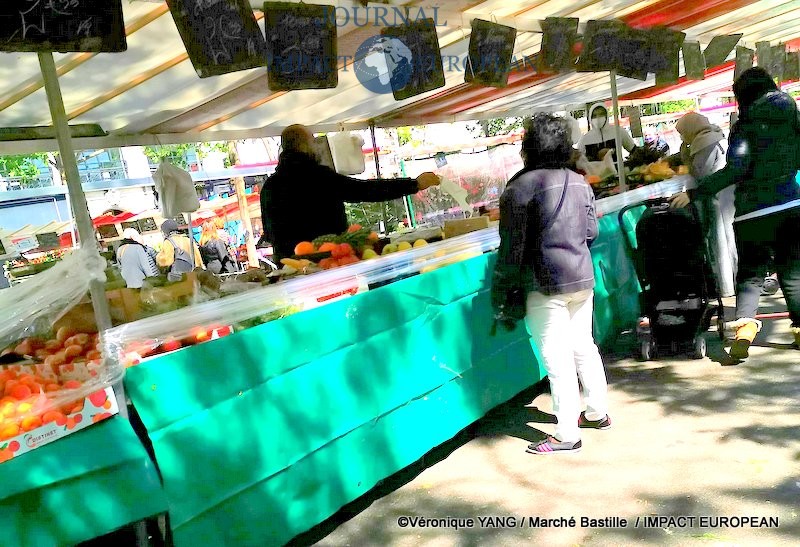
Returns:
point(8, 431)
point(373, 236)
point(327, 247)
point(21, 392)
point(305, 248)
point(30, 423)
point(72, 384)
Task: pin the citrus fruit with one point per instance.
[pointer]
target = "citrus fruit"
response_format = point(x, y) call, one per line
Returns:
point(390, 248)
point(420, 243)
point(403, 246)
point(368, 254)
point(327, 247)
point(373, 236)
point(304, 248)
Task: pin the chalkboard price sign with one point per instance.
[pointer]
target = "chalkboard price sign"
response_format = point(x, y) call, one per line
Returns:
point(134, 225)
point(693, 61)
point(302, 50)
point(108, 231)
point(2, 249)
point(147, 225)
point(491, 47)
point(777, 62)
point(48, 240)
point(62, 25)
point(560, 34)
point(792, 70)
point(220, 36)
point(424, 71)
point(601, 46)
point(635, 56)
point(744, 61)
point(719, 48)
point(665, 47)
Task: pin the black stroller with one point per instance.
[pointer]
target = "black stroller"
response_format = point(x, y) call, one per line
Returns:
point(677, 282)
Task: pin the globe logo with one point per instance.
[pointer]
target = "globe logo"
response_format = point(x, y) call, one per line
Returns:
point(383, 64)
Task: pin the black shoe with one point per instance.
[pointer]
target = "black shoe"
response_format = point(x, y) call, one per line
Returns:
point(740, 349)
point(603, 423)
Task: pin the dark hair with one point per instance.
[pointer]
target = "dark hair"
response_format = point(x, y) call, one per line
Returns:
point(547, 143)
point(753, 84)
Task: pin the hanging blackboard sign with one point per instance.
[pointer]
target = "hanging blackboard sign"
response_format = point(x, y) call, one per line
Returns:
point(220, 36)
point(134, 225)
point(777, 62)
point(744, 61)
point(601, 46)
point(48, 240)
point(181, 221)
point(764, 55)
point(560, 34)
point(792, 71)
point(665, 54)
point(634, 55)
point(719, 48)
point(423, 71)
point(491, 47)
point(301, 46)
point(693, 61)
point(62, 25)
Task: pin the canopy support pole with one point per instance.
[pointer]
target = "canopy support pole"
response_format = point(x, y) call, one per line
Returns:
point(618, 132)
point(378, 172)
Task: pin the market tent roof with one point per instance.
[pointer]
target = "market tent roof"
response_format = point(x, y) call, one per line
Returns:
point(151, 93)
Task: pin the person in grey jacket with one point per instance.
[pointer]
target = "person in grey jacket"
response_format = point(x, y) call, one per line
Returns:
point(136, 261)
point(703, 151)
point(544, 268)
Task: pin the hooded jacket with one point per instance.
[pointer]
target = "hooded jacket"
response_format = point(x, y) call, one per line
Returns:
point(533, 256)
point(763, 158)
point(303, 200)
point(603, 137)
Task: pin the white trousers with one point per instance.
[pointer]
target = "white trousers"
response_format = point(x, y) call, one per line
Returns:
point(561, 328)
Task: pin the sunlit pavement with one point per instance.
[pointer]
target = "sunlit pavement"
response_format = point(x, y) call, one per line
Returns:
point(689, 439)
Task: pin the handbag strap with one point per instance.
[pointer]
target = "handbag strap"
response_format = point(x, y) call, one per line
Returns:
point(552, 219)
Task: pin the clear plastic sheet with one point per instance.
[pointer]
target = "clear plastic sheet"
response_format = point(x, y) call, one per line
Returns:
point(48, 321)
point(129, 343)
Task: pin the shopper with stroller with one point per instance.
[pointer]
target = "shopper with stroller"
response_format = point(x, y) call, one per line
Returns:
point(544, 273)
point(703, 152)
point(763, 159)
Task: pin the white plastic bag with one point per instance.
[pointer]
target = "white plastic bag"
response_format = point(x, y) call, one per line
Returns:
point(457, 192)
point(347, 151)
point(601, 169)
point(176, 193)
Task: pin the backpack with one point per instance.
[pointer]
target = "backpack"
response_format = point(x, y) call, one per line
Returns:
point(184, 263)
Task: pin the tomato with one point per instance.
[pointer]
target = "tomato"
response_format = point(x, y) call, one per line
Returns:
point(343, 250)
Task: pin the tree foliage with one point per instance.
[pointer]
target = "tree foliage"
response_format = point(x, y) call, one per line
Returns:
point(22, 166)
point(497, 126)
point(177, 154)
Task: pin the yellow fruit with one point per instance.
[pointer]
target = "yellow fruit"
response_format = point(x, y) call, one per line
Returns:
point(420, 243)
point(403, 246)
point(390, 248)
point(369, 253)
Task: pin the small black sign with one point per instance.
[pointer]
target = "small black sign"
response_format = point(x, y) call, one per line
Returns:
point(62, 25)
point(48, 240)
point(2, 248)
point(634, 55)
point(147, 225)
point(181, 220)
point(792, 71)
point(491, 47)
point(301, 46)
point(220, 36)
point(744, 61)
point(425, 71)
point(560, 34)
point(719, 48)
point(764, 55)
point(693, 61)
point(134, 225)
point(777, 62)
point(108, 231)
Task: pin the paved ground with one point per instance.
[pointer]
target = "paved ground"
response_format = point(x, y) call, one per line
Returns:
point(690, 438)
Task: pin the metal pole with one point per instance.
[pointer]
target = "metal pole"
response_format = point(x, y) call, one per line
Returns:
point(378, 171)
point(618, 130)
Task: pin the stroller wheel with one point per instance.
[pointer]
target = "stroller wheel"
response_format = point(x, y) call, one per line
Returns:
point(648, 349)
point(699, 348)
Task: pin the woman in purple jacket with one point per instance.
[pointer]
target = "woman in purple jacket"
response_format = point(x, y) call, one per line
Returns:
point(544, 271)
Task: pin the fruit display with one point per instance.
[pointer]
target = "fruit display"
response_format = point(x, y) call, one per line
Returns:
point(647, 174)
point(33, 263)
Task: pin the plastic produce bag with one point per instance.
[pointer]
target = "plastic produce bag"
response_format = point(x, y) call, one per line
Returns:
point(347, 151)
point(457, 193)
point(52, 354)
point(601, 169)
point(176, 193)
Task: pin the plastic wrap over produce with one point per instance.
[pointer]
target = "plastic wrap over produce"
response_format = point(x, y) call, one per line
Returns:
point(132, 342)
point(51, 351)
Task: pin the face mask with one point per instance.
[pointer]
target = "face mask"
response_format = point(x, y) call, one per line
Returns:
point(598, 123)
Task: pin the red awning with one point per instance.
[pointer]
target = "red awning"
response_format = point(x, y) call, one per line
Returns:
point(105, 220)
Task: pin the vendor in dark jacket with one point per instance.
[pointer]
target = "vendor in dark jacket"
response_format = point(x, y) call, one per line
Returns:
point(763, 159)
point(303, 199)
point(544, 270)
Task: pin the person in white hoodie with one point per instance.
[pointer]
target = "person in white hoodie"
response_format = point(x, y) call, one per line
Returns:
point(602, 136)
